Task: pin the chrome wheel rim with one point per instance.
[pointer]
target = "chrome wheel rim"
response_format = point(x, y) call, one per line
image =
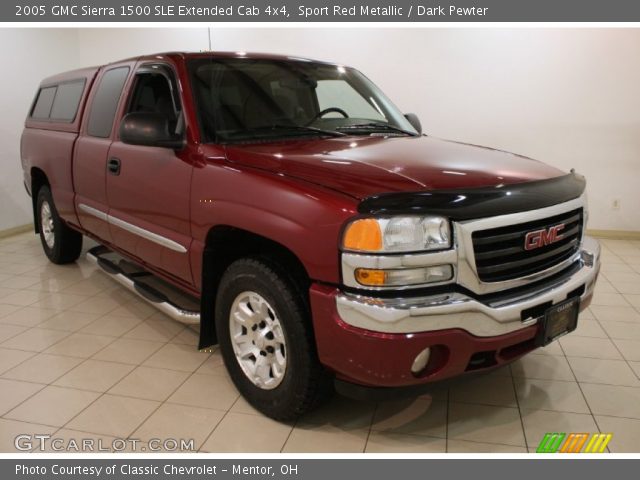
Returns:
point(46, 224)
point(258, 340)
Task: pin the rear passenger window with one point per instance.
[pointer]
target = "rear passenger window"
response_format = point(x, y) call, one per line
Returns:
point(42, 108)
point(65, 104)
point(105, 102)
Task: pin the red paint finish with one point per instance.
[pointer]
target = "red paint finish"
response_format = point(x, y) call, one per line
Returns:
point(364, 166)
point(51, 152)
point(303, 217)
point(90, 169)
point(139, 195)
point(49, 147)
point(384, 360)
point(89, 178)
point(298, 193)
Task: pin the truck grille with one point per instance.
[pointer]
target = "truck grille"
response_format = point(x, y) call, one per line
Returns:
point(500, 252)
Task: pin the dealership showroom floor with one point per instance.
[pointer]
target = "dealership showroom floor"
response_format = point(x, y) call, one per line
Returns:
point(81, 358)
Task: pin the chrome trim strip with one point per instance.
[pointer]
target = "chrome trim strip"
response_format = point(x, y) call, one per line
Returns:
point(141, 232)
point(94, 212)
point(152, 237)
point(353, 261)
point(456, 310)
point(181, 315)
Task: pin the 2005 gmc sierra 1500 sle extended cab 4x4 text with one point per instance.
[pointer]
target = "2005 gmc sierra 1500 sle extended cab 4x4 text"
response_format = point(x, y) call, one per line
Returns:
point(309, 228)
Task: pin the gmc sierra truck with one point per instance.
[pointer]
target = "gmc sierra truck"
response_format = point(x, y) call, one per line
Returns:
point(307, 226)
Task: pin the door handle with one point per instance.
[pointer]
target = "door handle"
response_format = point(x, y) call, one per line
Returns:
point(113, 165)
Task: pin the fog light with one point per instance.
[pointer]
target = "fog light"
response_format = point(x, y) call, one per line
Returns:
point(420, 362)
point(405, 276)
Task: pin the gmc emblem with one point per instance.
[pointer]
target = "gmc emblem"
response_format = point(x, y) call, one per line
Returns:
point(541, 238)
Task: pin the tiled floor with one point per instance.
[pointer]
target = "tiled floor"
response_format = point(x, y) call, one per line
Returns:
point(82, 358)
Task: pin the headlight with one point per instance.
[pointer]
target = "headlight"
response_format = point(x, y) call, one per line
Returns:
point(397, 234)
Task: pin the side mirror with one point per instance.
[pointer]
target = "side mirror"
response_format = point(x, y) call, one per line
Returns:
point(414, 121)
point(149, 129)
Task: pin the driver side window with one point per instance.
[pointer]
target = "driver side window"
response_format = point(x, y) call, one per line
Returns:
point(152, 93)
point(337, 92)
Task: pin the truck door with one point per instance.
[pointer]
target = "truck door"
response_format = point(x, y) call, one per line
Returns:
point(92, 147)
point(149, 188)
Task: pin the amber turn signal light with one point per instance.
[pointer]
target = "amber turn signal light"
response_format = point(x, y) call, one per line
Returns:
point(371, 278)
point(399, 277)
point(364, 235)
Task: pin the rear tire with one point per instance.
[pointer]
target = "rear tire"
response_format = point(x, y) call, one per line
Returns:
point(60, 243)
point(262, 321)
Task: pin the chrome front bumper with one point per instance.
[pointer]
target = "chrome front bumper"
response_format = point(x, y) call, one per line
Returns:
point(457, 310)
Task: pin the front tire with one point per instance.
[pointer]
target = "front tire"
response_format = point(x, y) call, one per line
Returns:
point(60, 243)
point(267, 342)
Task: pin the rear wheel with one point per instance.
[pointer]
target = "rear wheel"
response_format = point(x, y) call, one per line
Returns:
point(60, 243)
point(267, 341)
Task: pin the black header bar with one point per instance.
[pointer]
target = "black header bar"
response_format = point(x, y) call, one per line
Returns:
point(421, 11)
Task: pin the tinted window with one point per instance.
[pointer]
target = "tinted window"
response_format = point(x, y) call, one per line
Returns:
point(105, 102)
point(338, 92)
point(65, 104)
point(257, 99)
point(43, 104)
point(152, 93)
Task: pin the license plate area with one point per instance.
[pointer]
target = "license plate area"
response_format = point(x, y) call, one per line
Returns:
point(558, 320)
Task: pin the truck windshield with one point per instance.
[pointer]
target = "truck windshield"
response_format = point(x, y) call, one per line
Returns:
point(246, 99)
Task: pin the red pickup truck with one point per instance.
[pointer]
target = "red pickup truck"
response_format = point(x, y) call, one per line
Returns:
point(309, 228)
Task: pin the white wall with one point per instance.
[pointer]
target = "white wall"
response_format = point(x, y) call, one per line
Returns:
point(103, 45)
point(569, 97)
point(27, 56)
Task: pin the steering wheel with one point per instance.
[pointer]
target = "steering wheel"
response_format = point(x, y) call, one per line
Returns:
point(322, 113)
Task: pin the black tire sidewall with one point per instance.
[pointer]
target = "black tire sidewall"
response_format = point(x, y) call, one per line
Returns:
point(44, 194)
point(67, 243)
point(284, 398)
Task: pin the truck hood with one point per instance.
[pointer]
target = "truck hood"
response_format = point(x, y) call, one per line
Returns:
point(366, 166)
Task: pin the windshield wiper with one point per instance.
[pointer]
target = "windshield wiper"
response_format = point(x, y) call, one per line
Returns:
point(301, 128)
point(376, 126)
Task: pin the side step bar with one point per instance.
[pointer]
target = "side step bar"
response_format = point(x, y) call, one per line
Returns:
point(148, 293)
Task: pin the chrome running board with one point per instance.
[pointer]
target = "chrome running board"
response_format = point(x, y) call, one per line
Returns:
point(150, 294)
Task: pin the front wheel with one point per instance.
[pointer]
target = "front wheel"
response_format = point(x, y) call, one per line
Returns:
point(267, 341)
point(60, 243)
